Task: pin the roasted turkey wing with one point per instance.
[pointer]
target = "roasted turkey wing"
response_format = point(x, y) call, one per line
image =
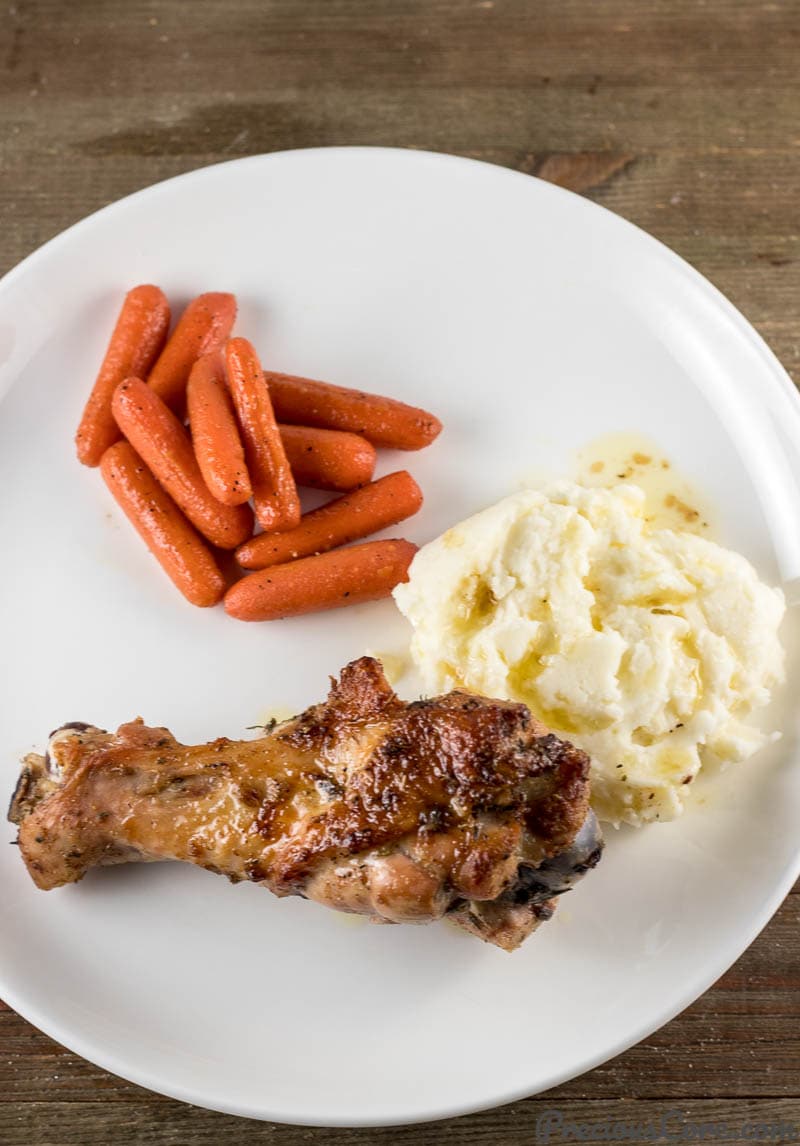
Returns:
point(456, 805)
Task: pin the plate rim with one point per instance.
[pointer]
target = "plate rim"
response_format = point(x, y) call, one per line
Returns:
point(779, 378)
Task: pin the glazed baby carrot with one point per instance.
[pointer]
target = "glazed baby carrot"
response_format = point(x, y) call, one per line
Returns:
point(163, 444)
point(215, 434)
point(328, 459)
point(185, 559)
point(382, 421)
point(375, 506)
point(363, 572)
point(274, 490)
point(203, 327)
point(135, 344)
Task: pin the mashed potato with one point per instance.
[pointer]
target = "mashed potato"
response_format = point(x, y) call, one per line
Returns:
point(646, 647)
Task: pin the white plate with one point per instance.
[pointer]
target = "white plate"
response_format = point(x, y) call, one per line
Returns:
point(530, 321)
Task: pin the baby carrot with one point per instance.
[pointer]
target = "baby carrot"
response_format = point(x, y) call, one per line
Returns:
point(328, 459)
point(375, 506)
point(135, 344)
point(185, 559)
point(215, 435)
point(274, 490)
point(382, 421)
point(203, 327)
point(363, 572)
point(163, 444)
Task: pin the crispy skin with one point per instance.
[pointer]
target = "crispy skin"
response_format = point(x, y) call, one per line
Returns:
point(403, 812)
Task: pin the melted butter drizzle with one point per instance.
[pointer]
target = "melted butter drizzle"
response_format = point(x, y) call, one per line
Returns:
point(671, 501)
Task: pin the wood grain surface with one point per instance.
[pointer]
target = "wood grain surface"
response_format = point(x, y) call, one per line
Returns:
point(681, 115)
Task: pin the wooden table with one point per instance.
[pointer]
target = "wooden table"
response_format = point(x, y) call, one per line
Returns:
point(682, 115)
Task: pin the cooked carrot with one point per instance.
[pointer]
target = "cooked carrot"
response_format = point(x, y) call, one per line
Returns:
point(375, 506)
point(342, 577)
point(135, 344)
point(328, 459)
point(185, 559)
point(203, 327)
point(274, 490)
point(163, 444)
point(215, 434)
point(382, 421)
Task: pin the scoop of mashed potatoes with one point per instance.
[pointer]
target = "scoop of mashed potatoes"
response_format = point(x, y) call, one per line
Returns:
point(648, 648)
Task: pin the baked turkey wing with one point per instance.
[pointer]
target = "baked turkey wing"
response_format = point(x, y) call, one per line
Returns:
point(457, 805)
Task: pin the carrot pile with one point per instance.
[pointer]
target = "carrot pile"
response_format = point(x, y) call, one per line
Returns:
point(252, 436)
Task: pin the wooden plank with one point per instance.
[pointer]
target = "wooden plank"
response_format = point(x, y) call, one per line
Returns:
point(53, 1123)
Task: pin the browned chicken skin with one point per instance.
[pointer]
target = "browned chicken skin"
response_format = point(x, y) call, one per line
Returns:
point(457, 805)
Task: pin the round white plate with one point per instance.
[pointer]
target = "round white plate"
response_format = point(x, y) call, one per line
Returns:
point(530, 321)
